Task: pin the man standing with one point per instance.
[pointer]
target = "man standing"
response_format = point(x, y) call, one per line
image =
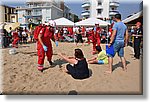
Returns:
point(117, 41)
point(137, 40)
point(44, 44)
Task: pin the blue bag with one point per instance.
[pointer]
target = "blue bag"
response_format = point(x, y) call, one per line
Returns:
point(110, 50)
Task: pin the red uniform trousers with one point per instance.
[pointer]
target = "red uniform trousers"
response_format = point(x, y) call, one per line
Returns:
point(14, 43)
point(41, 53)
point(96, 41)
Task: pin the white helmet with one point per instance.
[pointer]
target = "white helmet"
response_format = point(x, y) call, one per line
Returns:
point(52, 23)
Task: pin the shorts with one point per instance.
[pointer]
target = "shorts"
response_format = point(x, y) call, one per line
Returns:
point(100, 62)
point(118, 48)
point(79, 38)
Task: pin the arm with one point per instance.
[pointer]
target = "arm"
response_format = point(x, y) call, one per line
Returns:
point(126, 37)
point(136, 35)
point(112, 37)
point(53, 39)
point(70, 57)
point(40, 40)
point(71, 61)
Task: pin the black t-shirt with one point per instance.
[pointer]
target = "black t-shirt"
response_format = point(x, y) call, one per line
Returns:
point(82, 67)
point(138, 31)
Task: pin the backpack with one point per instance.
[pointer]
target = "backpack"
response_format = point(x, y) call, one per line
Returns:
point(37, 31)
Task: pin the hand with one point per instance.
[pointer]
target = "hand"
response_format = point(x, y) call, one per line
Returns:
point(125, 44)
point(45, 48)
point(56, 42)
point(109, 45)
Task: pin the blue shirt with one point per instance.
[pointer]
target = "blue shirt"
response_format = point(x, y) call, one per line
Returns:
point(121, 29)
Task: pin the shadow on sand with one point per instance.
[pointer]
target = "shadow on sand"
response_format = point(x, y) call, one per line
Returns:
point(56, 62)
point(118, 65)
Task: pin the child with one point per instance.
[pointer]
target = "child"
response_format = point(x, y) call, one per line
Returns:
point(101, 58)
point(77, 67)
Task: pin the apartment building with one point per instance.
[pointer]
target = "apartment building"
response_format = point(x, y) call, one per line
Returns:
point(8, 14)
point(39, 11)
point(102, 9)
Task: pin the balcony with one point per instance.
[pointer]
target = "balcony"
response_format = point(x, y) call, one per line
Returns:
point(112, 13)
point(85, 13)
point(99, 7)
point(114, 4)
point(86, 5)
point(37, 13)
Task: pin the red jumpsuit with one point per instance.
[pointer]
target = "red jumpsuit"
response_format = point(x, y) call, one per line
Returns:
point(97, 38)
point(90, 36)
point(16, 39)
point(46, 36)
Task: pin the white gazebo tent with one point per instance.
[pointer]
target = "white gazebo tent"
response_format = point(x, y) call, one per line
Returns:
point(91, 22)
point(63, 22)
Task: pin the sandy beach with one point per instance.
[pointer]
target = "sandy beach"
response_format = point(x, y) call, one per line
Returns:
point(20, 74)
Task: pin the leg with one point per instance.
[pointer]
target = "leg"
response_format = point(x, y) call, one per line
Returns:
point(123, 60)
point(98, 41)
point(138, 49)
point(121, 55)
point(49, 54)
point(93, 62)
point(94, 46)
point(110, 61)
point(41, 56)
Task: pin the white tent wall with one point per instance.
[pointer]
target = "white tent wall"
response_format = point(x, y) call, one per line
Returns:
point(91, 22)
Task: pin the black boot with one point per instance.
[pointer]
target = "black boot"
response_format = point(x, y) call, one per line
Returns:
point(51, 63)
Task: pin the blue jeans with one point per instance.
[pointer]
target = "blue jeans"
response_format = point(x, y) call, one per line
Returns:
point(118, 48)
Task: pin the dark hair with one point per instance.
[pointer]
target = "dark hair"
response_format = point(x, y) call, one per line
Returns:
point(98, 48)
point(79, 53)
point(118, 16)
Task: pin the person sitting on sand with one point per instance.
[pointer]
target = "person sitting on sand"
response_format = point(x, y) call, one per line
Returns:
point(77, 67)
point(101, 58)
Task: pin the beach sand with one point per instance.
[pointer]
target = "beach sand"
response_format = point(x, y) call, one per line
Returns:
point(20, 74)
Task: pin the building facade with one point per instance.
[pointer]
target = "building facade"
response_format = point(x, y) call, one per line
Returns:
point(102, 9)
point(8, 14)
point(40, 11)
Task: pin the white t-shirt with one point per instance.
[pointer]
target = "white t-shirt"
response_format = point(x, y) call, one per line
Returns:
point(24, 33)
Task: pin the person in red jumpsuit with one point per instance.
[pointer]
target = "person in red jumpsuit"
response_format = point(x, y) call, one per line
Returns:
point(97, 40)
point(44, 45)
point(15, 38)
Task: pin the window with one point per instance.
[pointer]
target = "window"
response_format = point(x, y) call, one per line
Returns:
point(99, 11)
point(113, 8)
point(99, 3)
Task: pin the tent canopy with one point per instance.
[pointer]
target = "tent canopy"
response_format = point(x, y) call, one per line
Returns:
point(63, 22)
point(133, 17)
point(12, 25)
point(91, 22)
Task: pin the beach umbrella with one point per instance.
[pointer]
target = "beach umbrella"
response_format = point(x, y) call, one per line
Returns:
point(12, 25)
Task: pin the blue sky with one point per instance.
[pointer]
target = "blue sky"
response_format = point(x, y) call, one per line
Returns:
point(126, 7)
